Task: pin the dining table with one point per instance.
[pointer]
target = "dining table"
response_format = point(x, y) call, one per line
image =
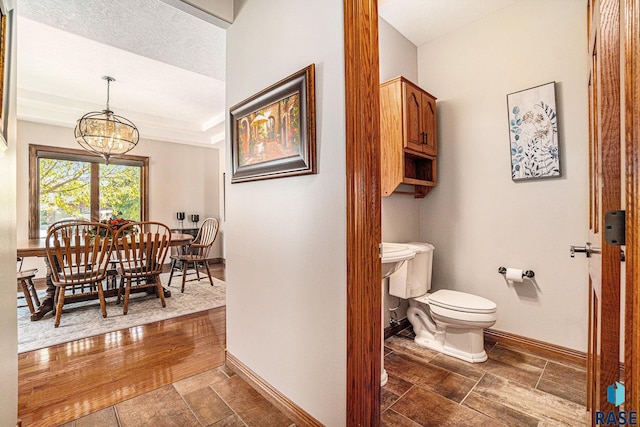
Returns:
point(37, 248)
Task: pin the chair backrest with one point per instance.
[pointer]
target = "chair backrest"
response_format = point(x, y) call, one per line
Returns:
point(207, 233)
point(142, 248)
point(78, 252)
point(65, 221)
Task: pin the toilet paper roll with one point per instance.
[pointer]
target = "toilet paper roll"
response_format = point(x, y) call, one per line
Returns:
point(514, 275)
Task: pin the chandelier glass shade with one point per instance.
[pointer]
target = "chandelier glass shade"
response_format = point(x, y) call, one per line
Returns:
point(105, 133)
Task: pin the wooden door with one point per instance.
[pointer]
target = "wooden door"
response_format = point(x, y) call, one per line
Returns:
point(413, 120)
point(605, 195)
point(430, 137)
point(632, 142)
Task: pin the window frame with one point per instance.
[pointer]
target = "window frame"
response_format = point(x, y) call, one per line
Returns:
point(44, 151)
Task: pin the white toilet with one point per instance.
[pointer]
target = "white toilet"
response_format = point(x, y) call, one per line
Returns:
point(450, 322)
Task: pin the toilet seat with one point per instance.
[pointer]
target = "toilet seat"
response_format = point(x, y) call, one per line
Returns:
point(461, 301)
point(459, 305)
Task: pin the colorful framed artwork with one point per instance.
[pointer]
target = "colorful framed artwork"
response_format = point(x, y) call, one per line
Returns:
point(533, 133)
point(273, 132)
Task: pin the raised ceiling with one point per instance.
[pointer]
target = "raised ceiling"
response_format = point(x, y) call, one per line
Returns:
point(169, 66)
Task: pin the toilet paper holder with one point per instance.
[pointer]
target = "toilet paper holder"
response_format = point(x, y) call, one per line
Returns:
point(527, 273)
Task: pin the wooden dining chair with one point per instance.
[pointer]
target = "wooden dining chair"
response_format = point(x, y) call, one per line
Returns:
point(197, 252)
point(25, 279)
point(78, 253)
point(142, 249)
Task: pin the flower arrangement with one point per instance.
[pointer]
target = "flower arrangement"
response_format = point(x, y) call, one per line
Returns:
point(116, 224)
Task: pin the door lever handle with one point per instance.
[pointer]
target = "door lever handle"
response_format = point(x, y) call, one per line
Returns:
point(587, 249)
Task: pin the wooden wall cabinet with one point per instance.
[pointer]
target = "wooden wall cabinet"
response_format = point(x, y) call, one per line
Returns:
point(408, 137)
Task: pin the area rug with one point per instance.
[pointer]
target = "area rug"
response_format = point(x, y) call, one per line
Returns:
point(81, 320)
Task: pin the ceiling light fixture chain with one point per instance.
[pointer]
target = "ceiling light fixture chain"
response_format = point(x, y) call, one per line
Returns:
point(105, 133)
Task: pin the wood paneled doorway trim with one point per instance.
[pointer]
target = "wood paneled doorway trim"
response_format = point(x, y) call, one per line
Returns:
point(364, 292)
point(605, 195)
point(632, 141)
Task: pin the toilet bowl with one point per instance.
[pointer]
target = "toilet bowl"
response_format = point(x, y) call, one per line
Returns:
point(447, 321)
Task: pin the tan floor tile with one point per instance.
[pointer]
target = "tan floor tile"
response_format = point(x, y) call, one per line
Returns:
point(545, 354)
point(410, 348)
point(441, 381)
point(473, 371)
point(515, 358)
point(226, 370)
point(546, 407)
point(515, 366)
point(207, 406)
point(429, 409)
point(397, 385)
point(526, 376)
point(250, 406)
point(230, 421)
point(202, 380)
point(161, 407)
point(497, 411)
point(391, 418)
point(392, 391)
point(564, 381)
point(105, 418)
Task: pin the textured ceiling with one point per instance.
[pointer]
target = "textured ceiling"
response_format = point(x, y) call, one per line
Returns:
point(421, 21)
point(168, 65)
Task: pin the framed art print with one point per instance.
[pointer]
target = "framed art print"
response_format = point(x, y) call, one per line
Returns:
point(533, 133)
point(273, 132)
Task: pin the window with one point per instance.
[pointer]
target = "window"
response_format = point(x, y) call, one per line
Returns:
point(67, 183)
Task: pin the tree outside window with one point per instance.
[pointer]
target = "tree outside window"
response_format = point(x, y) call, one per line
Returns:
point(73, 184)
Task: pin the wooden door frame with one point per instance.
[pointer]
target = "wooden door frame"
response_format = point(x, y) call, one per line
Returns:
point(364, 293)
point(604, 315)
point(363, 209)
point(632, 143)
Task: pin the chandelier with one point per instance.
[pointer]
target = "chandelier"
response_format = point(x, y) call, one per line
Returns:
point(105, 133)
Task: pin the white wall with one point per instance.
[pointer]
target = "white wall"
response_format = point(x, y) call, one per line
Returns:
point(477, 217)
point(8, 318)
point(398, 57)
point(181, 178)
point(400, 212)
point(286, 238)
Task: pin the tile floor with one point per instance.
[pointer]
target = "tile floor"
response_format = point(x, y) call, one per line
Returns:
point(511, 389)
point(216, 397)
point(425, 388)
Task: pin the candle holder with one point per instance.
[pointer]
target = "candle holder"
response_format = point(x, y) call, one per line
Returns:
point(194, 219)
point(181, 217)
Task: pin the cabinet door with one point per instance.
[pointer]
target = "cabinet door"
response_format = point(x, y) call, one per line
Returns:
point(412, 118)
point(430, 138)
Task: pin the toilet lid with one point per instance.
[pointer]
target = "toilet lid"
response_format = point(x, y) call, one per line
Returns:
point(461, 301)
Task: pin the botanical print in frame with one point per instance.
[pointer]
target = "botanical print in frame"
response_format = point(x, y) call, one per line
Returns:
point(533, 133)
point(273, 132)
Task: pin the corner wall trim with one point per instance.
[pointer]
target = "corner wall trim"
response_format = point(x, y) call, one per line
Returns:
point(537, 347)
point(279, 400)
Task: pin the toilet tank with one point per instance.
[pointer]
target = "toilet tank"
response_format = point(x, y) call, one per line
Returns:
point(414, 277)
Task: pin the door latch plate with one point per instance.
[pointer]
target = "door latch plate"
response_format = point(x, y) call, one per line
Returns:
point(614, 233)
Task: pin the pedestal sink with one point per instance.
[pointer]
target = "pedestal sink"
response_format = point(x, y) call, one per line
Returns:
point(393, 256)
